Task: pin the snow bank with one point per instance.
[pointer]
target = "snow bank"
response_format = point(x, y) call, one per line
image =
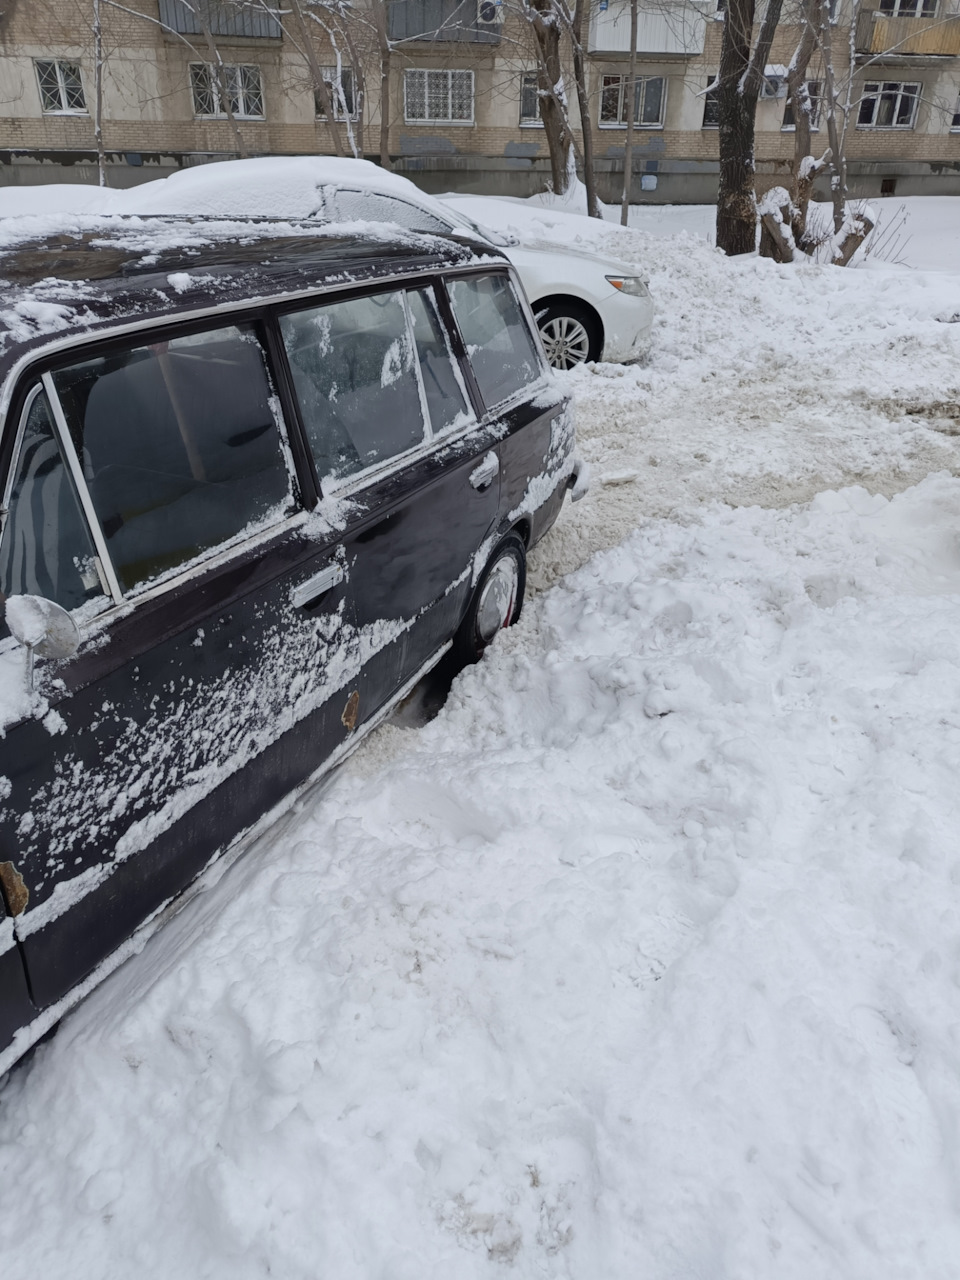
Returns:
point(640, 959)
point(765, 384)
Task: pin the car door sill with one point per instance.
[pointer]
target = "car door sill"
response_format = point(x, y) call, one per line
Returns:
point(212, 873)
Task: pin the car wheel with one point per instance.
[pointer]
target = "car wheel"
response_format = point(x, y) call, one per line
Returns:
point(497, 600)
point(570, 334)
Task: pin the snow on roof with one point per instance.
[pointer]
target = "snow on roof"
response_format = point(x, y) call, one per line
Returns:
point(84, 271)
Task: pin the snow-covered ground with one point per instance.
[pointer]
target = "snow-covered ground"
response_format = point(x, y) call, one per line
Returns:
point(642, 958)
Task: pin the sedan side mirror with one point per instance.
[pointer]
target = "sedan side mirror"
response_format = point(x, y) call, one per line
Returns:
point(41, 627)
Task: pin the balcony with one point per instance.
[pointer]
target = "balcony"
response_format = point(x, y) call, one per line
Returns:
point(445, 21)
point(224, 17)
point(878, 34)
point(674, 28)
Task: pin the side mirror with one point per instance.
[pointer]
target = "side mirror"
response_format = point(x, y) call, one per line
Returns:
point(41, 627)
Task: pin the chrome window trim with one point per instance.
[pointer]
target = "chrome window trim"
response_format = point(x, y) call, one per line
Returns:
point(15, 455)
point(65, 440)
point(428, 431)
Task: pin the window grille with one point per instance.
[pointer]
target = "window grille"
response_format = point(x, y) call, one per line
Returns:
point(439, 97)
point(61, 90)
point(244, 89)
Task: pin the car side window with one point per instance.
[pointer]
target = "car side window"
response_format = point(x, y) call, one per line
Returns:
point(179, 445)
point(46, 548)
point(444, 390)
point(354, 371)
point(502, 350)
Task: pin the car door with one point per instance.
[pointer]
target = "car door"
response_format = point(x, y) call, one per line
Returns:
point(394, 436)
point(534, 431)
point(151, 497)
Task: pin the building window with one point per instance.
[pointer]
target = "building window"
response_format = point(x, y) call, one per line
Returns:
point(956, 116)
point(909, 8)
point(888, 104)
point(344, 99)
point(61, 91)
point(814, 89)
point(437, 97)
point(530, 100)
point(711, 106)
point(648, 102)
point(244, 89)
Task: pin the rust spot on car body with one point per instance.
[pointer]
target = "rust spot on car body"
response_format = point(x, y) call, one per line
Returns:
point(349, 717)
point(14, 890)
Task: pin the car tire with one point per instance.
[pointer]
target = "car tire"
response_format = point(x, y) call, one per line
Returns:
point(570, 334)
point(497, 601)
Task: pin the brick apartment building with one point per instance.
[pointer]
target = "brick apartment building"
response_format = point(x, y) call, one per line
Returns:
point(462, 92)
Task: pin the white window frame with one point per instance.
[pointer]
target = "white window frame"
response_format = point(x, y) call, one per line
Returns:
point(621, 121)
point(64, 109)
point(877, 90)
point(530, 122)
point(817, 102)
point(955, 127)
point(710, 95)
point(219, 112)
point(330, 79)
point(909, 9)
point(410, 72)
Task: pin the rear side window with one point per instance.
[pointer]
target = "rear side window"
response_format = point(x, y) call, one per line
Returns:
point(502, 350)
point(179, 444)
point(355, 373)
point(46, 549)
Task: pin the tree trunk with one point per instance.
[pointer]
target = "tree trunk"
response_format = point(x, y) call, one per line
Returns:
point(838, 164)
point(802, 107)
point(583, 103)
point(223, 88)
point(631, 111)
point(739, 83)
point(736, 209)
point(359, 88)
point(386, 58)
point(546, 28)
point(320, 86)
point(98, 94)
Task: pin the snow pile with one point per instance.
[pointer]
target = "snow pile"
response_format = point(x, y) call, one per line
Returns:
point(765, 383)
point(640, 959)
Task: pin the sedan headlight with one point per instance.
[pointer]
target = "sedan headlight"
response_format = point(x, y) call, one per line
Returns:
point(635, 286)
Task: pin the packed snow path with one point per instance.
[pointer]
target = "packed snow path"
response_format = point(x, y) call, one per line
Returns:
point(642, 958)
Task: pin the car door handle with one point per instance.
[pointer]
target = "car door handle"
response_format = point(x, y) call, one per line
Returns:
point(486, 472)
point(316, 586)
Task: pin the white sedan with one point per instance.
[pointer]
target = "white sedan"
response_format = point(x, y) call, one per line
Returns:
point(587, 307)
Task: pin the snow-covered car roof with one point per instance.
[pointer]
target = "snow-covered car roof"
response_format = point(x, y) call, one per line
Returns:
point(269, 186)
point(62, 275)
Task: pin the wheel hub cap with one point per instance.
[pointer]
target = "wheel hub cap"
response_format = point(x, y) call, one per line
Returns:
point(498, 599)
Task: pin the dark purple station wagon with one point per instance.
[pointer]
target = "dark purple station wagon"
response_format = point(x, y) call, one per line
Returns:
point(257, 480)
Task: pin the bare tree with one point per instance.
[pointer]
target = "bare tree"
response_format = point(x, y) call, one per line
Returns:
point(785, 214)
point(98, 94)
point(546, 20)
point(385, 53)
point(581, 10)
point(631, 112)
point(738, 88)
